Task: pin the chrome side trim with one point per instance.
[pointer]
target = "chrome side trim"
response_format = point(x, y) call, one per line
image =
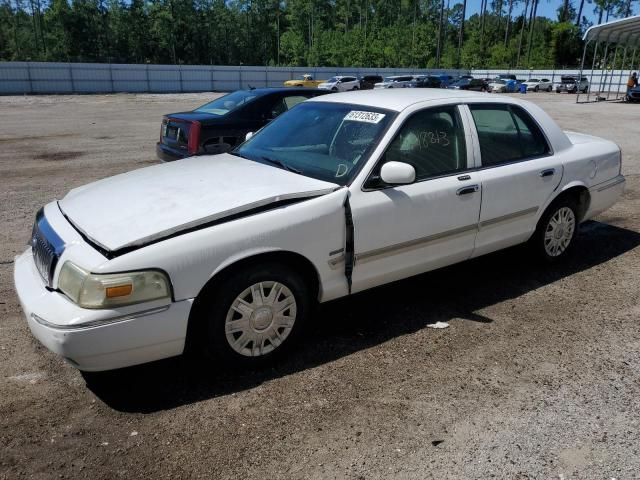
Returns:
point(506, 218)
point(334, 263)
point(98, 323)
point(620, 179)
point(423, 241)
point(412, 244)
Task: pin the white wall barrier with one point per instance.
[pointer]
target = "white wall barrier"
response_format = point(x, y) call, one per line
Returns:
point(18, 78)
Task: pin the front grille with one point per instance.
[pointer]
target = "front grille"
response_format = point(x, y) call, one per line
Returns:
point(46, 247)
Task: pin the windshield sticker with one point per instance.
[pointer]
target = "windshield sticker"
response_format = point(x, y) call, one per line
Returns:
point(367, 117)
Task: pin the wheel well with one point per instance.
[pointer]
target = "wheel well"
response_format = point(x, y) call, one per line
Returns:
point(292, 260)
point(581, 196)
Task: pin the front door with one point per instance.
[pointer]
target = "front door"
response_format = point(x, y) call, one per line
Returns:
point(404, 230)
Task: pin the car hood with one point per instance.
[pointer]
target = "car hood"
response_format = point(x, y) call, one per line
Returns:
point(146, 205)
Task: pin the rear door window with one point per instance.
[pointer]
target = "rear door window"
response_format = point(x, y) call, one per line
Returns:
point(506, 134)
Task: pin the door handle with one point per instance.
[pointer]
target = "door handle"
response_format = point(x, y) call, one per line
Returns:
point(547, 173)
point(468, 189)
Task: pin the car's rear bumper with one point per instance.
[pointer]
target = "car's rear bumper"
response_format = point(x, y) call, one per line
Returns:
point(95, 340)
point(605, 195)
point(168, 154)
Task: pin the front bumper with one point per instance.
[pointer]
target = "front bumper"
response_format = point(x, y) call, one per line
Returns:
point(94, 340)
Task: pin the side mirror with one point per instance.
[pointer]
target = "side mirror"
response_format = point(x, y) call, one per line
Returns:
point(397, 173)
point(248, 136)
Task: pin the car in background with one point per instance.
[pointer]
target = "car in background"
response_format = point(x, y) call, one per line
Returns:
point(506, 76)
point(446, 80)
point(367, 82)
point(475, 84)
point(228, 255)
point(573, 84)
point(497, 86)
point(633, 94)
point(220, 125)
point(395, 81)
point(425, 81)
point(340, 83)
point(536, 84)
point(305, 80)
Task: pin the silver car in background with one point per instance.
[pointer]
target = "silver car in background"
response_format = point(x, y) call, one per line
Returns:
point(396, 81)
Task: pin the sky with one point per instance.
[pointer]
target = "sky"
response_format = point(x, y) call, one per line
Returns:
point(546, 8)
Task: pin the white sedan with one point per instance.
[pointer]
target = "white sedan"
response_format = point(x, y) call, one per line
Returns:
point(498, 86)
point(536, 84)
point(344, 192)
point(340, 84)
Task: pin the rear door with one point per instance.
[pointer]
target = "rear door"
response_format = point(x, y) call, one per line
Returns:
point(518, 173)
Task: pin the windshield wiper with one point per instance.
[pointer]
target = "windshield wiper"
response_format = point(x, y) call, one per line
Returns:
point(281, 164)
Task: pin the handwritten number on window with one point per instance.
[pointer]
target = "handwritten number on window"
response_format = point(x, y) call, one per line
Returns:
point(435, 137)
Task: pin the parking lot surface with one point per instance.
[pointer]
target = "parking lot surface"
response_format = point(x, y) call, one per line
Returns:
point(538, 375)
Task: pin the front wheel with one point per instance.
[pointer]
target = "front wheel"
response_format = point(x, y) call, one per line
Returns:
point(556, 231)
point(536, 89)
point(256, 313)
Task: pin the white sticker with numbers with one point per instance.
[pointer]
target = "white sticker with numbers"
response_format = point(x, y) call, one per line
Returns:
point(367, 117)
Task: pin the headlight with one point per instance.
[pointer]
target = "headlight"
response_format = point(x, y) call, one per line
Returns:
point(90, 290)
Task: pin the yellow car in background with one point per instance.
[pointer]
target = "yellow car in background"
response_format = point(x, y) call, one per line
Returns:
point(305, 80)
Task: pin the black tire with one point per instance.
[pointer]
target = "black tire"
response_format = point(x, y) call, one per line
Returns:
point(207, 337)
point(536, 88)
point(356, 88)
point(334, 89)
point(538, 241)
point(549, 89)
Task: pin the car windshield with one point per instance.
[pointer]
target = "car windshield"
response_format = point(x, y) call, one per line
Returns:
point(463, 81)
point(333, 80)
point(323, 140)
point(228, 103)
point(568, 80)
point(391, 79)
point(501, 82)
point(533, 80)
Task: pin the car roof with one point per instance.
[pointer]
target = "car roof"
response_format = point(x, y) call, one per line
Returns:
point(398, 99)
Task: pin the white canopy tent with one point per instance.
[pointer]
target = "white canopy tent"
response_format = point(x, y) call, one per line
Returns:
point(614, 45)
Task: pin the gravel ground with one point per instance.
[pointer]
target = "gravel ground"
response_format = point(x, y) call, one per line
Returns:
point(538, 375)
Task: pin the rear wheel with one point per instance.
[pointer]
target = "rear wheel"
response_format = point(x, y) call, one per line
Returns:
point(253, 315)
point(536, 88)
point(556, 231)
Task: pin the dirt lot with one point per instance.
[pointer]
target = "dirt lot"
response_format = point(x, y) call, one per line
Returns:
point(538, 375)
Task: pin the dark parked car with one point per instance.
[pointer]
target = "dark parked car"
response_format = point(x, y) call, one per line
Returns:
point(476, 84)
point(425, 81)
point(368, 81)
point(218, 126)
point(446, 80)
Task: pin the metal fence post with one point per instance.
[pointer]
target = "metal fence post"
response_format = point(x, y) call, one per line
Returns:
point(73, 87)
point(29, 77)
point(212, 83)
point(111, 77)
point(148, 82)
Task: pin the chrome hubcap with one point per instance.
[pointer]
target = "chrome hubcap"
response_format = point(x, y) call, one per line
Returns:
point(559, 232)
point(260, 319)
